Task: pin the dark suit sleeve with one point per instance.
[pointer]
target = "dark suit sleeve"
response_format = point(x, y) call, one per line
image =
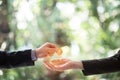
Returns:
point(99, 66)
point(15, 59)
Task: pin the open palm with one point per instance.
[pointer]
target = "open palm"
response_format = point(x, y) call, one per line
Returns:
point(59, 64)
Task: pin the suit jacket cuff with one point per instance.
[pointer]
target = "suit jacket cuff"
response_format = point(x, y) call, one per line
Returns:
point(104, 65)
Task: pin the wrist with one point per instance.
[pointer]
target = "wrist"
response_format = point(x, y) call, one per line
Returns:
point(79, 65)
point(38, 53)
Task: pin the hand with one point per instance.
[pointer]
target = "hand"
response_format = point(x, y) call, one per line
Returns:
point(47, 49)
point(63, 64)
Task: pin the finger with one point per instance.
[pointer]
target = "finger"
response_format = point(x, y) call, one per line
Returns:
point(61, 60)
point(65, 60)
point(48, 65)
point(59, 68)
point(53, 67)
point(51, 51)
point(51, 45)
point(59, 51)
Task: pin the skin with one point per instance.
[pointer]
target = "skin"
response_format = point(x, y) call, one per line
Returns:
point(65, 64)
point(47, 49)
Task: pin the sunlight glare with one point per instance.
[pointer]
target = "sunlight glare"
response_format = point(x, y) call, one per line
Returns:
point(67, 9)
point(114, 27)
point(1, 72)
point(24, 12)
point(100, 9)
point(1, 2)
point(74, 23)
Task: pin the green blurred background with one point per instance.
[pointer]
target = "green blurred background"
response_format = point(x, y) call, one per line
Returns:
point(85, 29)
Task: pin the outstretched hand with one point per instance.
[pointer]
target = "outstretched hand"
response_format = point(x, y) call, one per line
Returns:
point(62, 64)
point(48, 49)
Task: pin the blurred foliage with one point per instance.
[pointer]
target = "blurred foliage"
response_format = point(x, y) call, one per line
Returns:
point(88, 29)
